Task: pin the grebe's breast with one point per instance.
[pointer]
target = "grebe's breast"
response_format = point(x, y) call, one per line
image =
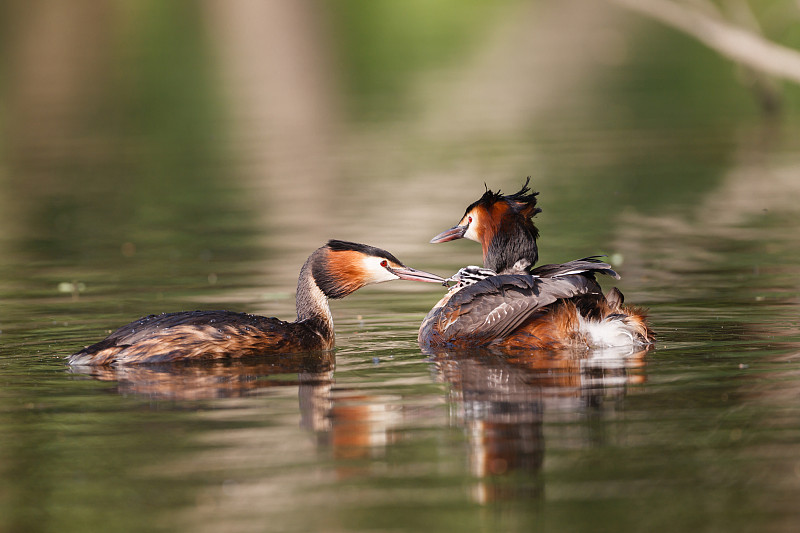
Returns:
point(200, 335)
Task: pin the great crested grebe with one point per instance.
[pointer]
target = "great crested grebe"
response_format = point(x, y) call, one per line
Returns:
point(333, 271)
point(511, 304)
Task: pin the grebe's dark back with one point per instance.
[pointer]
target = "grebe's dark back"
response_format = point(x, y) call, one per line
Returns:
point(333, 271)
point(511, 304)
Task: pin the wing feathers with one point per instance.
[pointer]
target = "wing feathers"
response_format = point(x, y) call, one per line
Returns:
point(578, 266)
point(494, 307)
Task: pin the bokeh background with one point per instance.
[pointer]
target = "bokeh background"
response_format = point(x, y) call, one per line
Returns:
point(158, 156)
point(129, 127)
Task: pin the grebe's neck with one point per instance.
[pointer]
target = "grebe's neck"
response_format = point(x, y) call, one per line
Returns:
point(512, 242)
point(312, 304)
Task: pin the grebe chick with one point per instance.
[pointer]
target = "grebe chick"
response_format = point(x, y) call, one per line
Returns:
point(550, 306)
point(333, 271)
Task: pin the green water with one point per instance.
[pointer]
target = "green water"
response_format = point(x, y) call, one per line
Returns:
point(185, 157)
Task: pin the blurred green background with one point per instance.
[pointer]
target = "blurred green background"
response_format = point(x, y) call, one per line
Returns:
point(168, 155)
point(146, 122)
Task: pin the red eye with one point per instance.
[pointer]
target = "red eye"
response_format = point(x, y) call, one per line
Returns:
point(384, 263)
point(469, 220)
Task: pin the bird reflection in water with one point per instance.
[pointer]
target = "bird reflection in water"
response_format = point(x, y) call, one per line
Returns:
point(501, 402)
point(214, 379)
point(350, 423)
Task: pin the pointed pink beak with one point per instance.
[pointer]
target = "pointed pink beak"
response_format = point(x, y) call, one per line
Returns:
point(456, 232)
point(413, 274)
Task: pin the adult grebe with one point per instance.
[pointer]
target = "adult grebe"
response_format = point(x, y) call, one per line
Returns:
point(332, 271)
point(510, 304)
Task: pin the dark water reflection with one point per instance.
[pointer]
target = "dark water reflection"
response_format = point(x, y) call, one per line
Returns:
point(501, 404)
point(219, 380)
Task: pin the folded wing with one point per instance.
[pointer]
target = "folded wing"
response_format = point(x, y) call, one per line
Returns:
point(494, 307)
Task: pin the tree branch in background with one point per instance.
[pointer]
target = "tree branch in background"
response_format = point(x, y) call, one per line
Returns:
point(745, 47)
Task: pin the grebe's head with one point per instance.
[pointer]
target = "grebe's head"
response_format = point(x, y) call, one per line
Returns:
point(344, 267)
point(487, 215)
point(498, 222)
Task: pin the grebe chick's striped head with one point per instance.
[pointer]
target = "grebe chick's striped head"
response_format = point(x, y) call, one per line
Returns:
point(343, 267)
point(502, 225)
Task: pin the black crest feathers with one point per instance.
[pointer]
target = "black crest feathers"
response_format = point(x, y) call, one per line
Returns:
point(343, 246)
point(522, 201)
